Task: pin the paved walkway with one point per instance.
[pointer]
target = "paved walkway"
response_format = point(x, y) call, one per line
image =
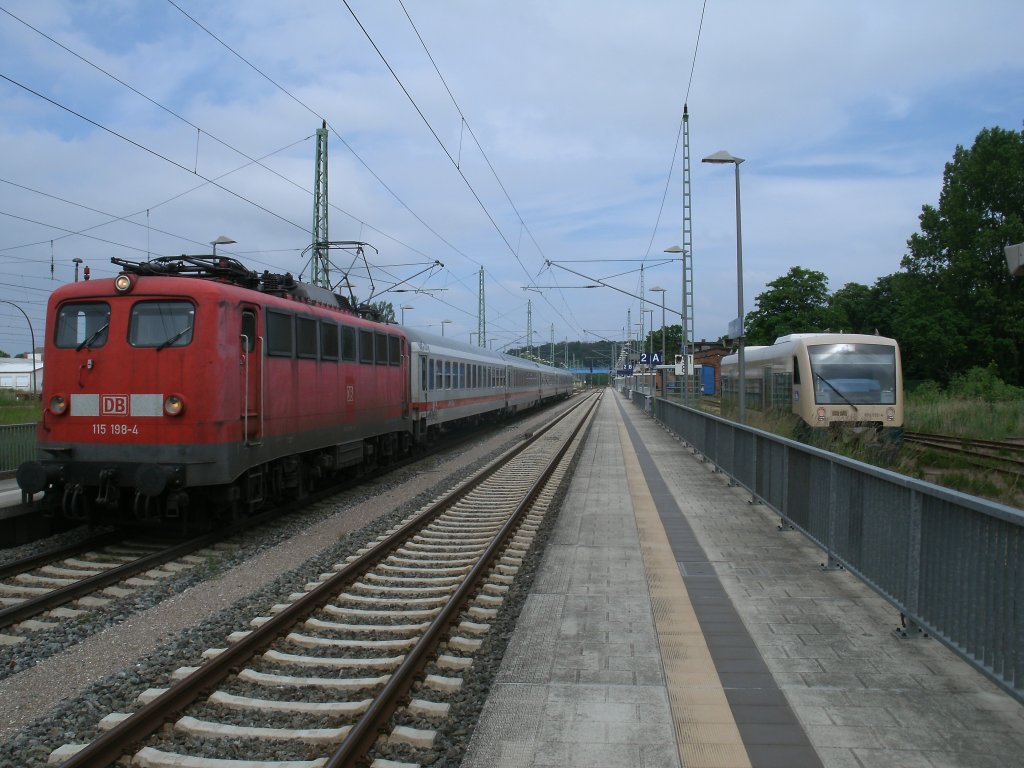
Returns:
point(672, 624)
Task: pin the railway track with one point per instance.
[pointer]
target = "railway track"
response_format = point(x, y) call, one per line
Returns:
point(38, 592)
point(376, 646)
point(1003, 456)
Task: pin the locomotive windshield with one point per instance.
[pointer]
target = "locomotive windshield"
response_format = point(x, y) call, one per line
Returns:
point(161, 324)
point(82, 324)
point(853, 373)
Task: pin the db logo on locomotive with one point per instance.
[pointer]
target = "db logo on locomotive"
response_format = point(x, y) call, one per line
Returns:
point(114, 405)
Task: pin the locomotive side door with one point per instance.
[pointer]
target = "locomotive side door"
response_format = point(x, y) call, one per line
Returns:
point(251, 342)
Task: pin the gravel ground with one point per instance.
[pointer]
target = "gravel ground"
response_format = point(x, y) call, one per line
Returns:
point(100, 664)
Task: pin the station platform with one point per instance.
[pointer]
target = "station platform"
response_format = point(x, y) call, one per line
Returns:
point(10, 493)
point(673, 624)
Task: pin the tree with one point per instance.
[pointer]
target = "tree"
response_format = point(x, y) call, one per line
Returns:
point(854, 308)
point(797, 302)
point(958, 300)
point(385, 311)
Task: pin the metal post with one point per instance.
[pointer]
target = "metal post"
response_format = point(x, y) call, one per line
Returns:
point(722, 157)
point(32, 337)
point(739, 298)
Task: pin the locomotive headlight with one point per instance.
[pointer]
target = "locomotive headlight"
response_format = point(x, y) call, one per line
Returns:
point(173, 405)
point(123, 283)
point(58, 405)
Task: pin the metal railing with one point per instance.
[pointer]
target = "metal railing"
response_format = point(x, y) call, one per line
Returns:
point(17, 444)
point(952, 564)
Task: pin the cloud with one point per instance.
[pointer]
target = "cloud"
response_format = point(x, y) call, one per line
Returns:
point(845, 114)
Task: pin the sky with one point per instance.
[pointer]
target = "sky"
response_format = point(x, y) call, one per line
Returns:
point(535, 140)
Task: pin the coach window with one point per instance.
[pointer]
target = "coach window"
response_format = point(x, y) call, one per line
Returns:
point(365, 346)
point(305, 336)
point(796, 371)
point(439, 375)
point(280, 338)
point(426, 373)
point(161, 324)
point(394, 350)
point(328, 340)
point(348, 343)
point(82, 325)
point(447, 374)
point(462, 375)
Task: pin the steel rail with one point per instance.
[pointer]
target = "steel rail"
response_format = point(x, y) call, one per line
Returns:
point(46, 558)
point(114, 743)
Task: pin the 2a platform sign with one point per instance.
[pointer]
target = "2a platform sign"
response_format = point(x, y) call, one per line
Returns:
point(650, 358)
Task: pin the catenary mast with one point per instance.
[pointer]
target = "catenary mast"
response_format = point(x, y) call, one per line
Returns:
point(320, 270)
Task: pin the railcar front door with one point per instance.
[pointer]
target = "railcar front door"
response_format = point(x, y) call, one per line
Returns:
point(251, 341)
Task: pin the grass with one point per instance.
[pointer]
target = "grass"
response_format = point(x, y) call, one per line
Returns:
point(14, 411)
point(973, 418)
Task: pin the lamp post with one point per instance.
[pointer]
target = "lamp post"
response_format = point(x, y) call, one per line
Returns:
point(32, 336)
point(650, 346)
point(723, 157)
point(443, 324)
point(405, 307)
point(222, 240)
point(659, 289)
point(76, 261)
point(684, 346)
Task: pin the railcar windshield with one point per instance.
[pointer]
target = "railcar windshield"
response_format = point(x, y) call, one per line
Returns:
point(161, 324)
point(82, 324)
point(853, 373)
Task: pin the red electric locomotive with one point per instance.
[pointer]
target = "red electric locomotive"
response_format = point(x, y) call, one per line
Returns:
point(245, 385)
point(189, 389)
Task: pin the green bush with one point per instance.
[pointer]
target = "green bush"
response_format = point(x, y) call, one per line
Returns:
point(984, 384)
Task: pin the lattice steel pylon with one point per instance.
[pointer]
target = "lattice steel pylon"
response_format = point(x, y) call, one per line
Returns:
point(320, 268)
point(687, 245)
point(481, 314)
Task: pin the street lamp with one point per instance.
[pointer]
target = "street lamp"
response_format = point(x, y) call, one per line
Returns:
point(723, 157)
point(443, 324)
point(405, 307)
point(684, 346)
point(659, 289)
point(222, 240)
point(77, 261)
point(32, 335)
point(650, 345)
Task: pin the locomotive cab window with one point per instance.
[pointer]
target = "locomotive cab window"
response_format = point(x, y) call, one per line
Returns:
point(161, 324)
point(82, 324)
